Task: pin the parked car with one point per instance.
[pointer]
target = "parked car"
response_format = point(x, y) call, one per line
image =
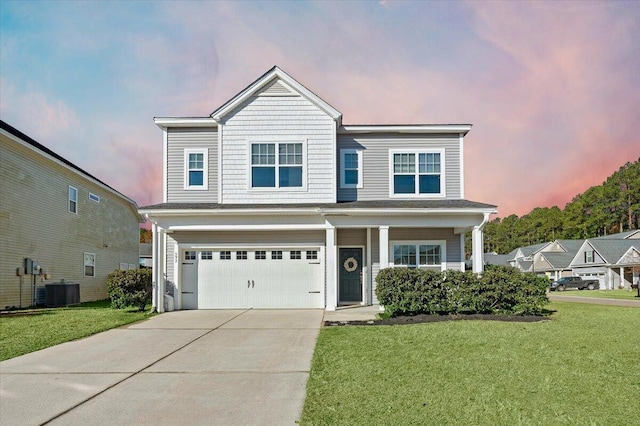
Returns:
point(574, 282)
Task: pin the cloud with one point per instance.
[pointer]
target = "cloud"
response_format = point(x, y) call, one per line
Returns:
point(550, 88)
point(46, 118)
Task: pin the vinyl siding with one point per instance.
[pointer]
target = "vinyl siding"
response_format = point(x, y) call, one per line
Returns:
point(376, 165)
point(180, 139)
point(35, 223)
point(266, 119)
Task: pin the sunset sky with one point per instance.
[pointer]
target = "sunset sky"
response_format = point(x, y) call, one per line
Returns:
point(552, 88)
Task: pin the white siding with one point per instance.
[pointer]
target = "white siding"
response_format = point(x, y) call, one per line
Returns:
point(376, 162)
point(278, 119)
point(178, 140)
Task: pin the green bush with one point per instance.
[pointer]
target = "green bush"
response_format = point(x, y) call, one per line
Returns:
point(129, 288)
point(502, 290)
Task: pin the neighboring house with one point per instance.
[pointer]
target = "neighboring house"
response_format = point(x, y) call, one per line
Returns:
point(72, 225)
point(555, 258)
point(522, 257)
point(615, 262)
point(271, 202)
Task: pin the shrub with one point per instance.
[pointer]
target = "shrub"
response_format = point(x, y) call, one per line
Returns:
point(129, 288)
point(503, 290)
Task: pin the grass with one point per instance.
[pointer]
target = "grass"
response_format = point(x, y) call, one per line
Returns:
point(27, 331)
point(604, 294)
point(579, 367)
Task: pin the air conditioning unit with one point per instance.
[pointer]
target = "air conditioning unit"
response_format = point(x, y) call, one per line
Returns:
point(62, 294)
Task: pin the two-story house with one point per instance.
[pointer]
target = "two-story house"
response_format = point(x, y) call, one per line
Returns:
point(271, 202)
point(58, 222)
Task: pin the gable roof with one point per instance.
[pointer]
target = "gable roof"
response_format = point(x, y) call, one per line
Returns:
point(570, 246)
point(612, 250)
point(620, 235)
point(24, 139)
point(558, 260)
point(265, 82)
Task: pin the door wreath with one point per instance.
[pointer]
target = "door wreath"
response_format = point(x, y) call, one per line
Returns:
point(350, 265)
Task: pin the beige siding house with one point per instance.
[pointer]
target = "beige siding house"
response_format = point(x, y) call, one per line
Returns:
point(271, 202)
point(75, 227)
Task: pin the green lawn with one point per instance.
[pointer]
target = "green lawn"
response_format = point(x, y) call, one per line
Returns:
point(26, 331)
point(605, 294)
point(580, 367)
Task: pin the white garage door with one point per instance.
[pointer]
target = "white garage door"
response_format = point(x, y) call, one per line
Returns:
point(257, 278)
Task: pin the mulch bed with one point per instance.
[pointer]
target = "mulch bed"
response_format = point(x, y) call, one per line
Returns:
point(418, 319)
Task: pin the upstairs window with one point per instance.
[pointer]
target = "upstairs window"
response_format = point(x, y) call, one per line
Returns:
point(588, 256)
point(276, 165)
point(73, 200)
point(417, 173)
point(351, 168)
point(195, 166)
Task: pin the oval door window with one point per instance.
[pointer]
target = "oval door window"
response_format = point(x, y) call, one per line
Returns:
point(350, 265)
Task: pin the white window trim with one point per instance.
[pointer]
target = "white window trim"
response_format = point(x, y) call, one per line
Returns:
point(417, 152)
point(69, 200)
point(417, 243)
point(84, 264)
point(94, 197)
point(344, 152)
point(205, 169)
point(278, 188)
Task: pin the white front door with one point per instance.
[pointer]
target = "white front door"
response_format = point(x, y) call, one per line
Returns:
point(189, 289)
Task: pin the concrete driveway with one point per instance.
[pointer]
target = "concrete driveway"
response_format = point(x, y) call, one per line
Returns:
point(227, 367)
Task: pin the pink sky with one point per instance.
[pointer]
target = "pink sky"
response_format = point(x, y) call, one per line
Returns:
point(552, 89)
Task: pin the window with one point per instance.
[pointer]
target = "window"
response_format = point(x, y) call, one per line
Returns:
point(241, 255)
point(189, 255)
point(312, 254)
point(588, 257)
point(261, 255)
point(269, 170)
point(73, 200)
point(351, 168)
point(417, 173)
point(94, 197)
point(295, 254)
point(225, 255)
point(418, 254)
point(89, 265)
point(276, 254)
point(206, 255)
point(195, 166)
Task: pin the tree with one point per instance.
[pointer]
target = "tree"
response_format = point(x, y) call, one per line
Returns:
point(146, 236)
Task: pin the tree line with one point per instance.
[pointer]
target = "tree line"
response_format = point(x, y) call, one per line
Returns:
point(601, 210)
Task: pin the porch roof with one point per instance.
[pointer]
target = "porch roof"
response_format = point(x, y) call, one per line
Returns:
point(384, 205)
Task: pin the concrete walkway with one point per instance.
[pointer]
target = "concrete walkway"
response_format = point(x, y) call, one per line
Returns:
point(595, 300)
point(230, 367)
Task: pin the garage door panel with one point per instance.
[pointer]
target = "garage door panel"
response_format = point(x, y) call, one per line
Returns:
point(261, 281)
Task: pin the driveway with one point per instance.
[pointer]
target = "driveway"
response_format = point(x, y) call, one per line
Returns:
point(226, 367)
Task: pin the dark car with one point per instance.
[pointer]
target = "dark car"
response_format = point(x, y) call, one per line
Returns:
point(574, 282)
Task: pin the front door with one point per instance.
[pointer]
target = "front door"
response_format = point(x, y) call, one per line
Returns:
point(189, 282)
point(350, 275)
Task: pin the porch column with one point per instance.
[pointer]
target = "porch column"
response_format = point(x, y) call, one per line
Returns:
point(477, 249)
point(332, 269)
point(368, 294)
point(154, 265)
point(160, 276)
point(384, 247)
point(623, 282)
